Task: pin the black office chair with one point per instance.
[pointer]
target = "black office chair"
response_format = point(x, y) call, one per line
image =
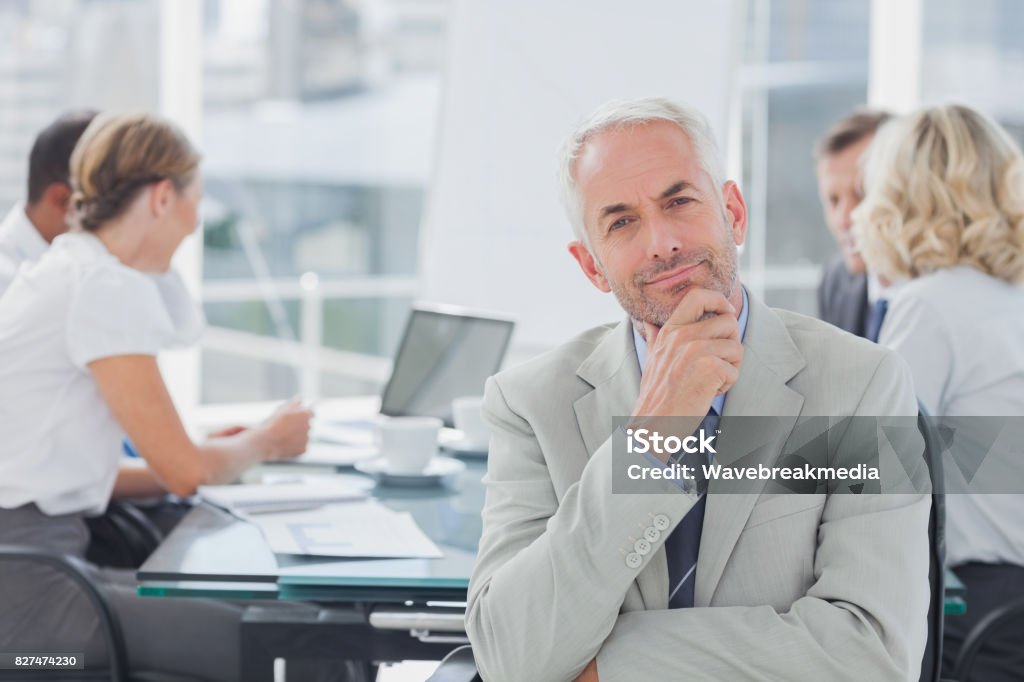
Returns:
point(931, 663)
point(459, 665)
point(980, 634)
point(123, 537)
point(77, 571)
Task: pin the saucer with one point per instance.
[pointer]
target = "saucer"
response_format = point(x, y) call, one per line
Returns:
point(465, 448)
point(440, 470)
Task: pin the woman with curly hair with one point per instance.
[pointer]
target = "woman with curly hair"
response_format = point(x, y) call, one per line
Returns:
point(942, 220)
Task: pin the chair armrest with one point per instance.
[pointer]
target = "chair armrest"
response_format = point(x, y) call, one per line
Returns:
point(980, 634)
point(458, 666)
point(131, 515)
point(123, 537)
point(78, 572)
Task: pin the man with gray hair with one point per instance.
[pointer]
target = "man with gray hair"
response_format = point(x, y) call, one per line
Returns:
point(573, 581)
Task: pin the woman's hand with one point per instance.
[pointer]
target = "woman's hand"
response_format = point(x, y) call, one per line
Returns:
point(229, 431)
point(285, 433)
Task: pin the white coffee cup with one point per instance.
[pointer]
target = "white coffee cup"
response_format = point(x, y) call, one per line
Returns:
point(408, 443)
point(469, 418)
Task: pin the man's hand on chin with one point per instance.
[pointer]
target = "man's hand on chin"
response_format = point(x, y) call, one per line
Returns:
point(694, 357)
point(589, 673)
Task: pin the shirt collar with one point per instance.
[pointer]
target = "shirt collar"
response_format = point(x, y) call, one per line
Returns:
point(19, 231)
point(875, 289)
point(892, 290)
point(718, 404)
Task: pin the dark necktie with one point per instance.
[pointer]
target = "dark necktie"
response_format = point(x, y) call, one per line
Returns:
point(876, 318)
point(683, 543)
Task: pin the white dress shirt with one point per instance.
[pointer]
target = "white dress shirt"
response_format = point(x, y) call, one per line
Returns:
point(59, 443)
point(876, 290)
point(20, 242)
point(962, 333)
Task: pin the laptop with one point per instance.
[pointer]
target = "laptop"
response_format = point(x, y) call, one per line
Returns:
point(446, 352)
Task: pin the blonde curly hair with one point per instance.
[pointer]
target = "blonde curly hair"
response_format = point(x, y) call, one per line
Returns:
point(943, 187)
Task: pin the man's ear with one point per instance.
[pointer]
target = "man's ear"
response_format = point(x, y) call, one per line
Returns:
point(735, 211)
point(589, 266)
point(57, 195)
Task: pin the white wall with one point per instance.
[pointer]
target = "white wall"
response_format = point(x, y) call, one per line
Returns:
point(181, 100)
point(518, 76)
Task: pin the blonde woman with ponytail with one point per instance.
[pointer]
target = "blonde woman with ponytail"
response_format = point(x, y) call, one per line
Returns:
point(79, 335)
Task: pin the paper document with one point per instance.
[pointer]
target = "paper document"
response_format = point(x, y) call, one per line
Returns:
point(259, 497)
point(353, 432)
point(356, 530)
point(360, 433)
point(332, 454)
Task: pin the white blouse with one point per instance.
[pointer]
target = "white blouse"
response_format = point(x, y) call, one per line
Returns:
point(20, 242)
point(59, 443)
point(962, 333)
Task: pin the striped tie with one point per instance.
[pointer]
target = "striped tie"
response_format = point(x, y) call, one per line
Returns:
point(683, 543)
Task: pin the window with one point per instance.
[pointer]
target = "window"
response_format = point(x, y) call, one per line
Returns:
point(972, 53)
point(805, 65)
point(66, 54)
point(318, 135)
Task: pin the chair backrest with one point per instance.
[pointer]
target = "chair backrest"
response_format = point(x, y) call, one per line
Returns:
point(931, 664)
point(78, 572)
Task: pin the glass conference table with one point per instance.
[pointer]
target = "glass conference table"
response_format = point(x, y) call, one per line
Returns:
point(213, 553)
point(393, 609)
point(385, 610)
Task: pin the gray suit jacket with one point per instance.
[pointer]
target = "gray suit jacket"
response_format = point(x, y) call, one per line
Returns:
point(843, 298)
point(789, 587)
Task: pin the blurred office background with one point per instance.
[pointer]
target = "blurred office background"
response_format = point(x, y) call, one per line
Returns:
point(322, 121)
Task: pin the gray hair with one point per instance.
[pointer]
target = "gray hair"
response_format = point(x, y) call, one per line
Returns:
point(626, 114)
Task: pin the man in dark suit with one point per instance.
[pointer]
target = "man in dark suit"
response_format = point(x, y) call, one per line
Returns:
point(843, 298)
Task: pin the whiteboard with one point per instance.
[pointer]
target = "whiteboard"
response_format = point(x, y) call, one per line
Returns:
point(519, 76)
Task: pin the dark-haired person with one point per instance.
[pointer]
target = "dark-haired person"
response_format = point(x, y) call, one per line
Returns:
point(30, 226)
point(846, 295)
point(80, 329)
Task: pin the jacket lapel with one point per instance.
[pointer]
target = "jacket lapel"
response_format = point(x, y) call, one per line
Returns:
point(614, 372)
point(770, 360)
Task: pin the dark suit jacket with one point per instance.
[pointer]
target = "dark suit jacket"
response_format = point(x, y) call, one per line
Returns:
point(843, 298)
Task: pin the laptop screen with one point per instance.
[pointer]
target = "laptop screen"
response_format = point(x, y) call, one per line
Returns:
point(444, 354)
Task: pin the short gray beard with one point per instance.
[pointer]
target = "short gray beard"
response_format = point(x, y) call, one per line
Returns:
point(722, 265)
